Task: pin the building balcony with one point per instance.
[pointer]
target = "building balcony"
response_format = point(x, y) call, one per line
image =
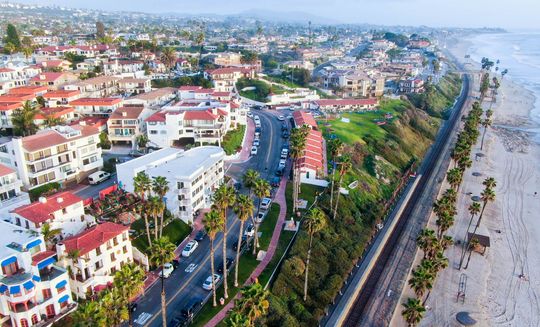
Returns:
point(51, 273)
point(19, 277)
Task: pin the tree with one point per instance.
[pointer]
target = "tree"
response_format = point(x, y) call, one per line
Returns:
point(9, 48)
point(113, 306)
point(51, 121)
point(199, 41)
point(485, 123)
point(315, 221)
point(142, 141)
point(344, 166)
point(100, 30)
point(261, 189)
point(474, 209)
point(244, 209)
point(421, 280)
point(253, 302)
point(336, 148)
point(213, 223)
point(249, 178)
point(23, 120)
point(160, 187)
point(141, 185)
point(129, 281)
point(27, 51)
point(104, 142)
point(249, 57)
point(426, 241)
point(413, 311)
point(155, 209)
point(454, 177)
point(89, 314)
point(49, 234)
point(12, 36)
point(237, 319)
point(472, 246)
point(162, 251)
point(168, 56)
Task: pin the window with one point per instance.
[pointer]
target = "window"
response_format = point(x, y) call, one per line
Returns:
point(153, 132)
point(64, 304)
point(50, 310)
point(98, 250)
point(10, 269)
point(115, 241)
point(61, 289)
point(113, 270)
point(47, 294)
point(35, 319)
point(124, 249)
point(98, 265)
point(64, 210)
point(24, 322)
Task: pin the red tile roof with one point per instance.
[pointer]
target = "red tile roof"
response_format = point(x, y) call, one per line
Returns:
point(127, 113)
point(304, 118)
point(56, 112)
point(6, 70)
point(95, 102)
point(5, 170)
point(38, 212)
point(93, 237)
point(16, 97)
point(46, 77)
point(40, 256)
point(200, 115)
point(49, 138)
point(6, 106)
point(29, 89)
point(157, 117)
point(61, 94)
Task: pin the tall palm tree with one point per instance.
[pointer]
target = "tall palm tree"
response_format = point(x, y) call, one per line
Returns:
point(168, 56)
point(336, 147)
point(444, 221)
point(244, 209)
point(155, 208)
point(199, 41)
point(413, 312)
point(490, 182)
point(253, 302)
point(142, 185)
point(213, 223)
point(49, 234)
point(426, 241)
point(464, 163)
point(23, 119)
point(160, 187)
point(485, 123)
point(315, 221)
point(345, 165)
point(472, 246)
point(129, 281)
point(421, 280)
point(454, 177)
point(224, 198)
point(114, 310)
point(440, 262)
point(474, 209)
point(261, 189)
point(162, 251)
point(249, 179)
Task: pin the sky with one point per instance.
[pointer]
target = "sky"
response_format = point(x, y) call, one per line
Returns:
point(514, 14)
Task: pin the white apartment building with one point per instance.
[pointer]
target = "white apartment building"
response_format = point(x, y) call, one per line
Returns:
point(33, 290)
point(61, 98)
point(97, 87)
point(102, 250)
point(126, 123)
point(155, 98)
point(62, 210)
point(224, 79)
point(99, 107)
point(193, 176)
point(61, 154)
point(135, 86)
point(11, 194)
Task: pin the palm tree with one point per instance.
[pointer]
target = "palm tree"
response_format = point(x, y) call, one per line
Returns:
point(413, 312)
point(253, 302)
point(244, 209)
point(344, 166)
point(421, 280)
point(27, 51)
point(297, 146)
point(472, 246)
point(224, 198)
point(236, 319)
point(160, 187)
point(142, 185)
point(261, 189)
point(485, 123)
point(199, 41)
point(445, 220)
point(314, 221)
point(49, 234)
point(23, 119)
point(249, 179)
point(51, 121)
point(168, 56)
point(162, 251)
point(114, 310)
point(454, 177)
point(89, 314)
point(336, 147)
point(489, 182)
point(426, 240)
point(154, 208)
point(213, 223)
point(464, 163)
point(440, 262)
point(129, 281)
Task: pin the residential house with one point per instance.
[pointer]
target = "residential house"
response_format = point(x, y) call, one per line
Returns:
point(134, 86)
point(224, 79)
point(101, 107)
point(59, 98)
point(53, 80)
point(96, 87)
point(55, 65)
point(6, 113)
point(155, 98)
point(11, 194)
point(29, 89)
point(64, 115)
point(193, 176)
point(126, 123)
point(411, 85)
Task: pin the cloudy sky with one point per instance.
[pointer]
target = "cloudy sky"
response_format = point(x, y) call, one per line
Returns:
point(512, 14)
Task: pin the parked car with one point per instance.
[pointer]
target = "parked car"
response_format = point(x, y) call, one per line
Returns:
point(243, 244)
point(285, 134)
point(281, 118)
point(98, 177)
point(207, 285)
point(280, 171)
point(282, 163)
point(275, 181)
point(175, 263)
point(167, 270)
point(260, 216)
point(253, 150)
point(201, 235)
point(249, 231)
point(256, 142)
point(228, 263)
point(180, 321)
point(249, 114)
point(284, 127)
point(257, 136)
point(189, 310)
point(265, 203)
point(190, 248)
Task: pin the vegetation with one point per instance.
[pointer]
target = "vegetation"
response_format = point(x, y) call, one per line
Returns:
point(43, 190)
point(23, 120)
point(162, 252)
point(232, 141)
point(104, 141)
point(197, 80)
point(438, 99)
point(259, 93)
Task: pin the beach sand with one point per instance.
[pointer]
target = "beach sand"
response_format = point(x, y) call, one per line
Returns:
point(495, 294)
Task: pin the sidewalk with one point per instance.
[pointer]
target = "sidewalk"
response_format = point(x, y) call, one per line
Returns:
point(279, 199)
point(245, 153)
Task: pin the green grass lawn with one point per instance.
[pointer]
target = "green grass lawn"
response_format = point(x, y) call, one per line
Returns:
point(248, 263)
point(232, 141)
point(176, 230)
point(307, 192)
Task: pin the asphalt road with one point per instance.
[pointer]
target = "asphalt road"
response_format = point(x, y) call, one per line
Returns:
point(92, 191)
point(186, 281)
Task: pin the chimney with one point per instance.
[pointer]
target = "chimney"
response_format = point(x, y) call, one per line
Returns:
point(42, 199)
point(60, 200)
point(124, 113)
point(42, 77)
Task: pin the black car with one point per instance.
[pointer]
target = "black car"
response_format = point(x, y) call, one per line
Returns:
point(201, 235)
point(284, 127)
point(285, 134)
point(242, 245)
point(175, 263)
point(191, 308)
point(280, 171)
point(179, 321)
point(228, 262)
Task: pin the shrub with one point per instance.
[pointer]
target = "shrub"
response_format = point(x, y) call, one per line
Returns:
point(43, 190)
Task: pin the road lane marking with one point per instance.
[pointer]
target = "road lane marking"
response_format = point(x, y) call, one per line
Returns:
point(190, 268)
point(143, 318)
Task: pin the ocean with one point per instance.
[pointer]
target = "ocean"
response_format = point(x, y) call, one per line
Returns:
point(519, 52)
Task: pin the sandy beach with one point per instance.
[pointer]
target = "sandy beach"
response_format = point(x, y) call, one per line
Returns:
point(495, 294)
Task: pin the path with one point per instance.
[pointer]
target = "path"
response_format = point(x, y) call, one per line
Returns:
point(279, 199)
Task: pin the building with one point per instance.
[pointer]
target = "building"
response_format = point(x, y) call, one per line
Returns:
point(6, 113)
point(62, 210)
point(101, 107)
point(224, 79)
point(11, 194)
point(61, 98)
point(193, 176)
point(134, 86)
point(53, 80)
point(312, 163)
point(102, 250)
point(156, 98)
point(411, 85)
point(33, 290)
point(126, 123)
point(96, 87)
point(353, 83)
point(60, 154)
point(297, 64)
point(63, 114)
point(337, 105)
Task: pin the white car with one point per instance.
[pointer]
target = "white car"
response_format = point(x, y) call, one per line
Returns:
point(260, 217)
point(281, 118)
point(249, 114)
point(282, 163)
point(207, 285)
point(190, 248)
point(249, 231)
point(256, 118)
point(257, 124)
point(168, 268)
point(253, 150)
point(256, 142)
point(257, 136)
point(265, 203)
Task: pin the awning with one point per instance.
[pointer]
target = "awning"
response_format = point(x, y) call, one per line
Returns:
point(3, 288)
point(46, 262)
point(28, 285)
point(36, 278)
point(63, 299)
point(33, 243)
point(9, 261)
point(61, 284)
point(15, 289)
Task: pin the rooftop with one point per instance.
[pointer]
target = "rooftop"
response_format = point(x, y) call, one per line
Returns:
point(42, 210)
point(13, 239)
point(127, 113)
point(95, 102)
point(93, 237)
point(5, 170)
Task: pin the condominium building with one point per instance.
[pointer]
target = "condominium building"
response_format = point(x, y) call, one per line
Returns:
point(193, 175)
point(102, 250)
point(61, 98)
point(126, 123)
point(11, 194)
point(60, 154)
point(33, 290)
point(134, 86)
point(6, 113)
point(96, 87)
point(224, 79)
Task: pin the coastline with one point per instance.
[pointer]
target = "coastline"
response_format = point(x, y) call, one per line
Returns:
point(495, 295)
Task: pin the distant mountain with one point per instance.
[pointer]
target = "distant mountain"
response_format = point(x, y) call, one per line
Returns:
point(286, 17)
